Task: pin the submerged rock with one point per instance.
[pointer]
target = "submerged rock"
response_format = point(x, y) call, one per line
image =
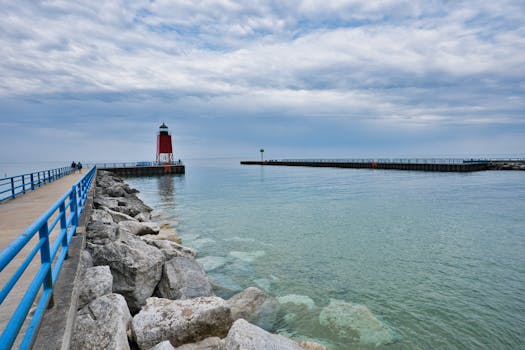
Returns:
point(248, 257)
point(254, 305)
point(97, 282)
point(350, 320)
point(245, 336)
point(136, 268)
point(298, 300)
point(183, 277)
point(224, 285)
point(310, 345)
point(211, 263)
point(201, 242)
point(180, 321)
point(102, 324)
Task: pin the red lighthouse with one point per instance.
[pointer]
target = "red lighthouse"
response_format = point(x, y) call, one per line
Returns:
point(164, 148)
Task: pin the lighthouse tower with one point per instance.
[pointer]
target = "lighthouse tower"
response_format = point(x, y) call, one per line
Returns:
point(164, 148)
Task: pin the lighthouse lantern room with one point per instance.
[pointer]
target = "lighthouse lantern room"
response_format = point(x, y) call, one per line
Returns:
point(164, 147)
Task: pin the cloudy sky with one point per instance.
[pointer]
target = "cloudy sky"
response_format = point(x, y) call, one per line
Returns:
point(93, 80)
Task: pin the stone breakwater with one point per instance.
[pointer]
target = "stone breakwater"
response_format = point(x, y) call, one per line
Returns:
point(141, 289)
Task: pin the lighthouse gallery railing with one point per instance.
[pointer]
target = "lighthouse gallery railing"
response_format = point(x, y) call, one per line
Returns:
point(65, 211)
point(12, 186)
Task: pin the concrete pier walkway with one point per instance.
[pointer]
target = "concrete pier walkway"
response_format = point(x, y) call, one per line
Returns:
point(15, 216)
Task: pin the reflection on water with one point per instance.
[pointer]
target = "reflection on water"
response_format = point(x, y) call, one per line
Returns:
point(166, 188)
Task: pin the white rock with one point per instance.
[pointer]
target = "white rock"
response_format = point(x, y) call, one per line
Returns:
point(86, 261)
point(102, 216)
point(118, 216)
point(165, 345)
point(245, 336)
point(97, 282)
point(136, 268)
point(102, 324)
point(98, 232)
point(183, 277)
point(180, 321)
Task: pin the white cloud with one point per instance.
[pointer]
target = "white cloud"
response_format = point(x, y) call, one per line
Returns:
point(351, 59)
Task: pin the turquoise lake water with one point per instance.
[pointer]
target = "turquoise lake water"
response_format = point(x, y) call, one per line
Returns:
point(437, 260)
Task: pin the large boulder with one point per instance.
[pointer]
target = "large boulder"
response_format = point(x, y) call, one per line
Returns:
point(97, 282)
point(102, 324)
point(131, 205)
point(245, 336)
point(116, 190)
point(98, 232)
point(102, 216)
point(101, 201)
point(183, 277)
point(136, 268)
point(355, 322)
point(253, 305)
point(138, 228)
point(170, 249)
point(180, 321)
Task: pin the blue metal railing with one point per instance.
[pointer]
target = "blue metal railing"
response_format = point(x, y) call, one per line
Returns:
point(65, 211)
point(12, 186)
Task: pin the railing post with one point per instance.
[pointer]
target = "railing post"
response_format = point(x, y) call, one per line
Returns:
point(45, 258)
point(23, 184)
point(12, 188)
point(32, 182)
point(63, 226)
point(73, 207)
